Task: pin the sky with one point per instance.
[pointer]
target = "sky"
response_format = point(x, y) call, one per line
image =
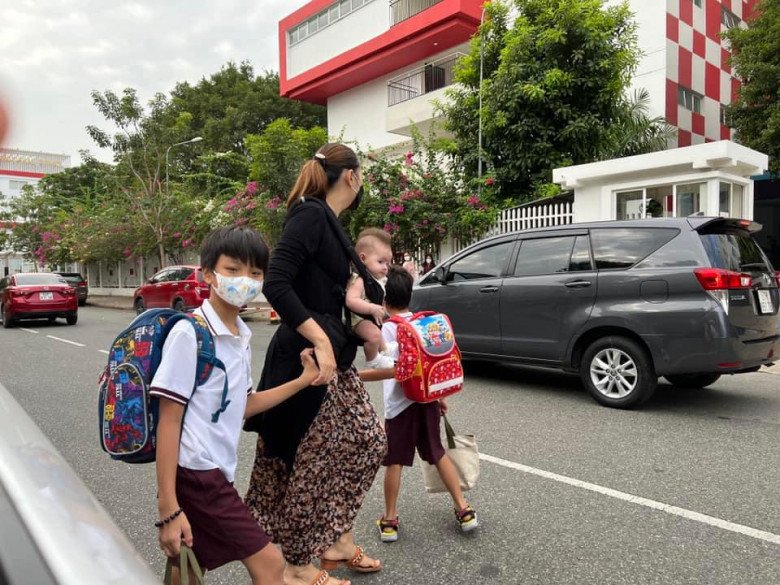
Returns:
point(53, 53)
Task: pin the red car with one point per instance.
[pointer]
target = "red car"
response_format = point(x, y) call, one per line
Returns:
point(37, 295)
point(178, 287)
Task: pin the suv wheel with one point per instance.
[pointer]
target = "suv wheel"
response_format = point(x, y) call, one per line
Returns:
point(178, 305)
point(7, 322)
point(618, 372)
point(139, 306)
point(693, 380)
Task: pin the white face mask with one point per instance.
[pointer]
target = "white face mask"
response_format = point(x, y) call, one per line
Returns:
point(237, 290)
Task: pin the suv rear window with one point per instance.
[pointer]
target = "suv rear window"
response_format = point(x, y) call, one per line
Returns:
point(736, 252)
point(616, 248)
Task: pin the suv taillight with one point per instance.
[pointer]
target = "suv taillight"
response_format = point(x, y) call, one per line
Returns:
point(718, 282)
point(719, 279)
point(777, 278)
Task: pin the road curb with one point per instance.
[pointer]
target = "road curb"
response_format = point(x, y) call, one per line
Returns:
point(256, 313)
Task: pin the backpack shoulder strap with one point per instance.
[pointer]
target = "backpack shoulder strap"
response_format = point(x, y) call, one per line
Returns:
point(207, 358)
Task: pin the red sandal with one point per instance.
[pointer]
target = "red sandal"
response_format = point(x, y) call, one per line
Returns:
point(352, 564)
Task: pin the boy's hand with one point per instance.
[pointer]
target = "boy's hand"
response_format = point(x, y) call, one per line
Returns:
point(310, 369)
point(172, 535)
point(443, 406)
point(378, 313)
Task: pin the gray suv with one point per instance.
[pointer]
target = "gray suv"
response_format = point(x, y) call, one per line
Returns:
point(620, 302)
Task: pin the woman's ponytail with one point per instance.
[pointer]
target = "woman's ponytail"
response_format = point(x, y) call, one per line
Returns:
point(320, 173)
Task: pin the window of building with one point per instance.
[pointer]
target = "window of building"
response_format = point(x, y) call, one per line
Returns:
point(629, 204)
point(321, 20)
point(643, 203)
point(697, 3)
point(689, 99)
point(484, 263)
point(16, 186)
point(622, 248)
point(689, 198)
point(728, 18)
point(731, 200)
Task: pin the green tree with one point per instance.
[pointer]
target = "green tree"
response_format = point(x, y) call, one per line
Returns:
point(276, 156)
point(554, 83)
point(234, 102)
point(422, 200)
point(755, 114)
point(140, 143)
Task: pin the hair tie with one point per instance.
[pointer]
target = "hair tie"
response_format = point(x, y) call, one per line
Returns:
point(320, 158)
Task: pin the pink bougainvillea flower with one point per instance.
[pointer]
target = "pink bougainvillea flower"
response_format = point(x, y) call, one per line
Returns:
point(489, 182)
point(396, 209)
point(251, 187)
point(409, 159)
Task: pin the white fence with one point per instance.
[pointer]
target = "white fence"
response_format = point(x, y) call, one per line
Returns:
point(526, 217)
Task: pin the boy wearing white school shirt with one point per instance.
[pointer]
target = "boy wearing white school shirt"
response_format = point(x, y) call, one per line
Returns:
point(199, 428)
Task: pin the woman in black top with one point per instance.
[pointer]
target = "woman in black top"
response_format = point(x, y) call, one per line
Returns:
point(318, 452)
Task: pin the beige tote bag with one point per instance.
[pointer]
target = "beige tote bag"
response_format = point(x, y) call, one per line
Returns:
point(462, 450)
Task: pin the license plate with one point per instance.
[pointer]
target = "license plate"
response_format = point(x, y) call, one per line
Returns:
point(46, 296)
point(765, 305)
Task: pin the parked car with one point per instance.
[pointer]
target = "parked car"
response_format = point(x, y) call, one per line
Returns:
point(620, 302)
point(78, 282)
point(54, 531)
point(37, 295)
point(178, 287)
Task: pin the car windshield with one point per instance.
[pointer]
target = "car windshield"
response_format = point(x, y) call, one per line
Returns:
point(38, 279)
point(736, 252)
point(75, 278)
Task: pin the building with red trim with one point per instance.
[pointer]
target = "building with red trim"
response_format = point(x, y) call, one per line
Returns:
point(18, 169)
point(380, 64)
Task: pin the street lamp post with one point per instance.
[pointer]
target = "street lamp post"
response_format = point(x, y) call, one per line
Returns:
point(479, 111)
point(168, 150)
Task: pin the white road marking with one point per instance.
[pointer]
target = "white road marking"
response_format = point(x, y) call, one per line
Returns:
point(65, 341)
point(104, 351)
point(640, 501)
point(28, 330)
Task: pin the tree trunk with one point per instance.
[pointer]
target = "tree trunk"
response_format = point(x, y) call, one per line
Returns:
point(162, 255)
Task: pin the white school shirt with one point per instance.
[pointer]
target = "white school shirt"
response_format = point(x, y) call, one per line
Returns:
point(206, 445)
point(395, 400)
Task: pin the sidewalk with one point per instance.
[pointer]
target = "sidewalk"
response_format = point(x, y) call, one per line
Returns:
point(253, 312)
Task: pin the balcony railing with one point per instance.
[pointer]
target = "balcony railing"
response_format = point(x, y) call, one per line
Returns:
point(400, 10)
point(430, 77)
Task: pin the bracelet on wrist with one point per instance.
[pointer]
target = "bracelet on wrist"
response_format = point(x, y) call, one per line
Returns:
point(161, 523)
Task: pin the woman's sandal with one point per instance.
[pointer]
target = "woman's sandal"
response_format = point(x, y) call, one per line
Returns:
point(352, 564)
point(322, 578)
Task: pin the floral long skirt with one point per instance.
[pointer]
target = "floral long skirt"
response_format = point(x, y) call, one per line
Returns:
point(306, 509)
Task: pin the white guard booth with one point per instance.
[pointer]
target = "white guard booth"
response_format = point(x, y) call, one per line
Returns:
point(711, 179)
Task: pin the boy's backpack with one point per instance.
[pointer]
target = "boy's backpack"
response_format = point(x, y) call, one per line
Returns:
point(428, 365)
point(127, 413)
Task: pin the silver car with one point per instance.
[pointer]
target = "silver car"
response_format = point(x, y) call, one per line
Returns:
point(52, 529)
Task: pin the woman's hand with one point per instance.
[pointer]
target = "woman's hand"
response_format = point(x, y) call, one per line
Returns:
point(443, 406)
point(378, 313)
point(173, 533)
point(310, 369)
point(326, 361)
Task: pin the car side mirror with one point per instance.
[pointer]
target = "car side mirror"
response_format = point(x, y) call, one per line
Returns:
point(442, 275)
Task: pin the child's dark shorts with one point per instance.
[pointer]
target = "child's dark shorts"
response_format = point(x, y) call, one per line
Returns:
point(416, 427)
point(223, 529)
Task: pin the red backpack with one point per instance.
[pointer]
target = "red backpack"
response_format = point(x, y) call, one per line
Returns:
point(428, 366)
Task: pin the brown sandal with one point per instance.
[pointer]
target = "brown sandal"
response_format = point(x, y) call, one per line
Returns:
point(352, 564)
point(322, 578)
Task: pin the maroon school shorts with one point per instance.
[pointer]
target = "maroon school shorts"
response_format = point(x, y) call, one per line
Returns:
point(223, 529)
point(416, 427)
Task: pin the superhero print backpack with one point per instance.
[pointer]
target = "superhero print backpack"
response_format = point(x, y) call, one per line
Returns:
point(429, 365)
point(127, 413)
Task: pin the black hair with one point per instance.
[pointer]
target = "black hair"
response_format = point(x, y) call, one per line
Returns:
point(398, 289)
point(239, 242)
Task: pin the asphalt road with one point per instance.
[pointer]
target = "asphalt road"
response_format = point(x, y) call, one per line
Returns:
point(572, 492)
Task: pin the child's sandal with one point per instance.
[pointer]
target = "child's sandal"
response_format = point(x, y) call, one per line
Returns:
point(388, 529)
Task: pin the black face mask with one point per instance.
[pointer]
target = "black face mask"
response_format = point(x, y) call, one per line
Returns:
point(356, 201)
